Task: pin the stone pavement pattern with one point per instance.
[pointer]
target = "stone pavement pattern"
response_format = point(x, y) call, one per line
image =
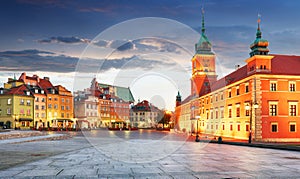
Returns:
point(191, 160)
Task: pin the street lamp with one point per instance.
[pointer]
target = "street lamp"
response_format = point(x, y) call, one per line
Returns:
point(197, 136)
point(249, 107)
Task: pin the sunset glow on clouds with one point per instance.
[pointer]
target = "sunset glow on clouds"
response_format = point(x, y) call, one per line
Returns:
point(50, 37)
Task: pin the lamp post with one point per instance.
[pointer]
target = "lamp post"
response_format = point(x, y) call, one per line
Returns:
point(249, 107)
point(197, 135)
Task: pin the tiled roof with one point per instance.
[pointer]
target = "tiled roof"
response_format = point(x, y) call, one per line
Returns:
point(20, 90)
point(45, 84)
point(235, 76)
point(285, 65)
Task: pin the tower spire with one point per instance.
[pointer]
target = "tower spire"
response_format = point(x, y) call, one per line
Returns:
point(258, 33)
point(203, 27)
point(259, 46)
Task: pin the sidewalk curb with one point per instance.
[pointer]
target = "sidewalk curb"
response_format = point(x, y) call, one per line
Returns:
point(267, 146)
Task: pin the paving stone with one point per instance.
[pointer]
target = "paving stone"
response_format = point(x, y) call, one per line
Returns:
point(38, 173)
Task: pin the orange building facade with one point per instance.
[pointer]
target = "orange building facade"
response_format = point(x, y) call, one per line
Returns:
point(257, 102)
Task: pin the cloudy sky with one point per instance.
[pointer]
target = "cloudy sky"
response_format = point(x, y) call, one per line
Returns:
point(72, 41)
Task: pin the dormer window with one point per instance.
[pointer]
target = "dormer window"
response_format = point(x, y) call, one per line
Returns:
point(42, 91)
point(28, 93)
point(36, 91)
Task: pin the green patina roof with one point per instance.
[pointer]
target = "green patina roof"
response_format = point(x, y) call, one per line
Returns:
point(124, 93)
point(256, 47)
point(203, 46)
point(121, 92)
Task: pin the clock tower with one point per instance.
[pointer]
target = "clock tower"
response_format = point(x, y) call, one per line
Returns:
point(203, 65)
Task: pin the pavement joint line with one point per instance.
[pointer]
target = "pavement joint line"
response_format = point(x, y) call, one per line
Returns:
point(59, 172)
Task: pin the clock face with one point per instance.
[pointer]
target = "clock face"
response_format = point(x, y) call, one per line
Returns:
point(205, 62)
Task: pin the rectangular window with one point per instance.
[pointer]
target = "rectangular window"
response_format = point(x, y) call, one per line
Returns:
point(217, 114)
point(229, 94)
point(68, 107)
point(229, 113)
point(28, 112)
point(62, 100)
point(222, 96)
point(28, 102)
point(237, 91)
point(238, 127)
point(62, 114)
point(247, 127)
point(222, 112)
point(9, 101)
point(273, 86)
point(37, 99)
point(207, 114)
point(223, 127)
point(292, 127)
point(292, 86)
point(211, 114)
point(238, 112)
point(55, 106)
point(8, 111)
point(274, 127)
point(49, 106)
point(37, 114)
point(36, 107)
point(43, 99)
point(246, 88)
point(273, 108)
point(231, 127)
point(43, 107)
point(50, 98)
point(293, 110)
point(21, 101)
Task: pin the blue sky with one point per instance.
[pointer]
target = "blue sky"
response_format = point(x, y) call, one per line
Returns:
point(48, 37)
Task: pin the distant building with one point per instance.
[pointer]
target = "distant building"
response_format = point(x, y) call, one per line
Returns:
point(145, 115)
point(87, 111)
point(258, 101)
point(113, 104)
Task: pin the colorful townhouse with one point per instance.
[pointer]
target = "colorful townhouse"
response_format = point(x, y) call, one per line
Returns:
point(16, 107)
point(52, 105)
point(257, 102)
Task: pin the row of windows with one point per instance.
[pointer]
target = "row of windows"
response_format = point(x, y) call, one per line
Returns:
point(273, 127)
point(273, 111)
point(38, 115)
point(55, 114)
point(292, 108)
point(37, 99)
point(274, 86)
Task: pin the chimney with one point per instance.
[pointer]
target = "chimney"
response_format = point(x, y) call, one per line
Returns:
point(46, 78)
